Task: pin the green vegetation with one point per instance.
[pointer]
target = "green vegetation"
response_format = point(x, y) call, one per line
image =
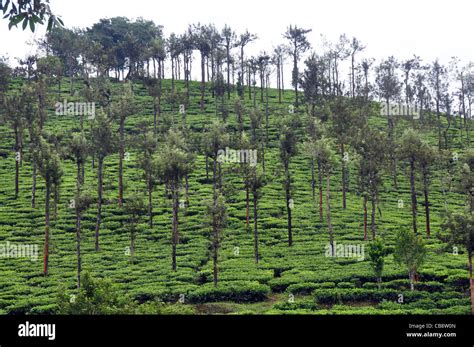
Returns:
point(150, 203)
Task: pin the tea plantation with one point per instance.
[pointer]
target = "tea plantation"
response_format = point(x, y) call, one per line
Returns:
point(299, 279)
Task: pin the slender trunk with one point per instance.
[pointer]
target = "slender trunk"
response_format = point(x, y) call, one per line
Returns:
point(372, 216)
point(242, 69)
point(248, 83)
point(279, 79)
point(392, 146)
point(295, 75)
point(33, 186)
point(46, 228)
point(313, 183)
point(83, 173)
point(56, 201)
point(320, 184)
point(282, 81)
point(215, 255)
point(247, 203)
point(78, 176)
point(228, 70)
point(186, 186)
point(132, 242)
point(343, 170)
point(150, 203)
point(427, 203)
point(413, 194)
point(439, 121)
point(353, 74)
point(172, 75)
point(215, 231)
point(155, 123)
point(121, 156)
point(255, 226)
point(78, 248)
point(471, 280)
point(17, 164)
point(365, 218)
point(71, 81)
point(288, 208)
point(99, 201)
point(203, 81)
point(328, 213)
point(175, 237)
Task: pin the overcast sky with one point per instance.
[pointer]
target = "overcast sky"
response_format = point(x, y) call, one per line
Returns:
point(431, 29)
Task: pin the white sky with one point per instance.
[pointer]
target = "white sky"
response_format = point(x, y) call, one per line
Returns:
point(430, 28)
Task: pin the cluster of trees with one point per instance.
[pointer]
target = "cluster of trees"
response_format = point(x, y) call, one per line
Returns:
point(336, 135)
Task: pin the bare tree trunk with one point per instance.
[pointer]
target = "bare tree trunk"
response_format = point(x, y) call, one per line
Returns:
point(78, 176)
point(320, 184)
point(353, 74)
point(328, 213)
point(228, 70)
point(33, 186)
point(215, 255)
point(282, 81)
point(413, 194)
point(372, 216)
point(288, 208)
point(78, 248)
point(365, 218)
point(150, 203)
point(155, 123)
point(17, 163)
point(172, 75)
point(99, 201)
point(295, 75)
point(203, 81)
point(343, 165)
point(175, 237)
point(313, 183)
point(427, 203)
point(255, 226)
point(390, 138)
point(121, 156)
point(46, 228)
point(242, 68)
point(132, 243)
point(279, 78)
point(247, 204)
point(471, 280)
point(56, 201)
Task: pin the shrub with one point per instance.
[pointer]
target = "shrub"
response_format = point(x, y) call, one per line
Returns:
point(230, 291)
point(308, 288)
point(306, 304)
point(340, 295)
point(95, 297)
point(159, 307)
point(458, 280)
point(345, 285)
